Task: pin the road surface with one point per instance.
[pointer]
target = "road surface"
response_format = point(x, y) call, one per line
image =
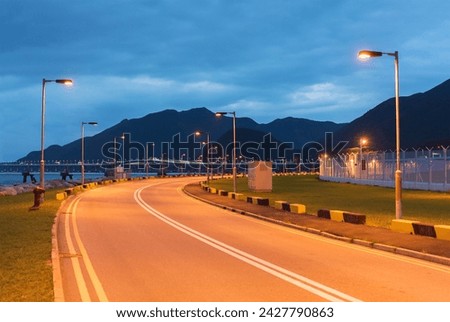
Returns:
point(147, 241)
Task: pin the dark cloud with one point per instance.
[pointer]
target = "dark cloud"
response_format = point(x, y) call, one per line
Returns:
point(264, 59)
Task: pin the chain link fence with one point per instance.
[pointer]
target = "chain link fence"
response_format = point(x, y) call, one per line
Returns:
point(423, 169)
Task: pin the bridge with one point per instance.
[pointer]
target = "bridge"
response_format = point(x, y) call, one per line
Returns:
point(153, 165)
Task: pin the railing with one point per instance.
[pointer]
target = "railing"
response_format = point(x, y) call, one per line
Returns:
point(423, 169)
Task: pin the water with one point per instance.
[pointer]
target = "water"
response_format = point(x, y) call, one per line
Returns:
point(12, 178)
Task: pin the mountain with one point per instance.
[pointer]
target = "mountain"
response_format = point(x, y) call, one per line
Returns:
point(424, 122)
point(172, 132)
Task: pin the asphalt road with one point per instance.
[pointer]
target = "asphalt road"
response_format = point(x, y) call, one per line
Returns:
point(148, 241)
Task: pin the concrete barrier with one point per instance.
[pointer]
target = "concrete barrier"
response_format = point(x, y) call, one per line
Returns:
point(297, 208)
point(442, 232)
point(337, 215)
point(281, 205)
point(354, 218)
point(61, 195)
point(414, 227)
point(69, 191)
point(258, 201)
point(324, 213)
point(77, 189)
point(262, 201)
point(342, 216)
point(240, 197)
point(286, 207)
point(223, 193)
point(403, 226)
point(424, 229)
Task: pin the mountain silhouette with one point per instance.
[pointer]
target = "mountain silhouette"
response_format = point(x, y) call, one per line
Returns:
point(424, 122)
point(163, 129)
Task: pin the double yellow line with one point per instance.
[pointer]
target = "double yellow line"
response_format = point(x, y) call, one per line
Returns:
point(70, 221)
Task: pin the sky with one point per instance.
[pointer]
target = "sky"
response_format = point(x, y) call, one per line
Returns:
point(264, 59)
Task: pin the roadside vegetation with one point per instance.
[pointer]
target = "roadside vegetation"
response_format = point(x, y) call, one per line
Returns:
point(25, 248)
point(377, 203)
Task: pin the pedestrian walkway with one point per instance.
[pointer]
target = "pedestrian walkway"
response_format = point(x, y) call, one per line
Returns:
point(416, 246)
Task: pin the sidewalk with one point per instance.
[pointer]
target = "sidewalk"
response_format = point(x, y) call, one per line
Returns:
point(421, 247)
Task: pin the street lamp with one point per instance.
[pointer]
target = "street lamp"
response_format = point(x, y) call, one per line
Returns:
point(115, 158)
point(234, 146)
point(123, 150)
point(198, 133)
point(362, 142)
point(82, 147)
point(364, 55)
point(67, 82)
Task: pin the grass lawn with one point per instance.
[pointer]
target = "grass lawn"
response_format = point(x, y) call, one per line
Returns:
point(25, 248)
point(377, 203)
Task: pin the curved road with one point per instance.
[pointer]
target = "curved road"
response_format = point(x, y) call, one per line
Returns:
point(148, 241)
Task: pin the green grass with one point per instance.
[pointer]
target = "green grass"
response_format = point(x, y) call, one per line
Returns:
point(377, 203)
point(25, 248)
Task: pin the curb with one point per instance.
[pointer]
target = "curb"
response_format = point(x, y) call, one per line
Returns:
point(417, 228)
point(378, 246)
point(58, 291)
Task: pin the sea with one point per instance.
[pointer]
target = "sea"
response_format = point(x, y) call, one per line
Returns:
point(13, 178)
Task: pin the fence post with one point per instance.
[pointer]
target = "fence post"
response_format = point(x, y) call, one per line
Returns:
point(429, 168)
point(445, 168)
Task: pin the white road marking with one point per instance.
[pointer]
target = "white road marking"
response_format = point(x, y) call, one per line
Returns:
point(300, 281)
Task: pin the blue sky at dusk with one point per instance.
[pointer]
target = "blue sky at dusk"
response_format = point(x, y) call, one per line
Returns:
point(263, 59)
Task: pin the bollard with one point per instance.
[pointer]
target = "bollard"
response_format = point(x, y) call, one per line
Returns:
point(38, 197)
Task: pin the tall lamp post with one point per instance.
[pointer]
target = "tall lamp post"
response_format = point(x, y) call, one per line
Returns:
point(364, 55)
point(234, 146)
point(362, 143)
point(123, 151)
point(82, 148)
point(42, 164)
point(198, 133)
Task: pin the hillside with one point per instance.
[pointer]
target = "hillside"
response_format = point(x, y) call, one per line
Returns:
point(424, 121)
point(170, 129)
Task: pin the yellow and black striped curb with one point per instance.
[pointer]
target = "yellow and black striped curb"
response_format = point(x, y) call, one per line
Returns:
point(342, 216)
point(399, 225)
point(282, 205)
point(291, 207)
point(92, 185)
point(356, 241)
point(417, 228)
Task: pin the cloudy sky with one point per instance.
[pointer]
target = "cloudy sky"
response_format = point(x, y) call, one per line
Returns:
point(264, 59)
